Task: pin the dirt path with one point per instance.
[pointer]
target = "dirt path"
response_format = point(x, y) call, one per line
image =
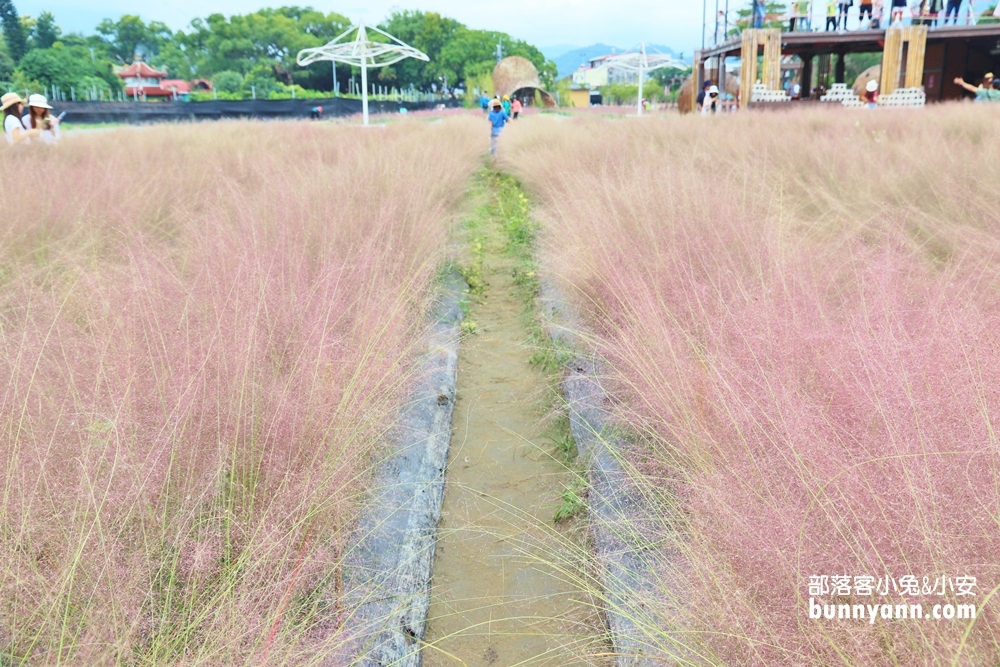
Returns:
point(500, 595)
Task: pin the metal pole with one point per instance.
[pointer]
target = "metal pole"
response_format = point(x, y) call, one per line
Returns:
point(334, 68)
point(642, 72)
point(362, 38)
point(704, 9)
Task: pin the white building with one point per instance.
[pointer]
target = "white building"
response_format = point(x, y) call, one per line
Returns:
point(598, 72)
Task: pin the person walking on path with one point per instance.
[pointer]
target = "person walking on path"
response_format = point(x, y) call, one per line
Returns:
point(13, 107)
point(498, 118)
point(515, 107)
point(506, 104)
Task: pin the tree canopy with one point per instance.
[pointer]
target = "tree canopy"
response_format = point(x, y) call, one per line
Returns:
point(456, 53)
point(256, 49)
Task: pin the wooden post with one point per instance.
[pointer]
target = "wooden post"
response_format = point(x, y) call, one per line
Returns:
point(892, 53)
point(915, 38)
point(772, 59)
point(770, 70)
point(697, 78)
point(806, 76)
point(748, 71)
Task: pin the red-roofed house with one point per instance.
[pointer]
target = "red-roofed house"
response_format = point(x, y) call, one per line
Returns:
point(143, 81)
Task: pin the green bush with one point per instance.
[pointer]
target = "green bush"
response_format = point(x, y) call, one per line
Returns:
point(227, 81)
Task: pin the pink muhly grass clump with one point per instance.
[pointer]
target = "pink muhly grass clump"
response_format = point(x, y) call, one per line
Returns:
point(206, 333)
point(800, 312)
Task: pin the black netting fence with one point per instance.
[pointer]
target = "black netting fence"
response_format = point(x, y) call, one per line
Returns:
point(149, 112)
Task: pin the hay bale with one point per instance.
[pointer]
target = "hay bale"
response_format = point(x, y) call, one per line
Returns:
point(515, 74)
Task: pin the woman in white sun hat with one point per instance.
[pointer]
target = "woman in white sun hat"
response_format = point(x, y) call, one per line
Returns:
point(39, 118)
point(871, 94)
point(13, 128)
point(712, 102)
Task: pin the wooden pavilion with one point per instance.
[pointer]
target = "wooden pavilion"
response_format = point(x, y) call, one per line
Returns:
point(912, 57)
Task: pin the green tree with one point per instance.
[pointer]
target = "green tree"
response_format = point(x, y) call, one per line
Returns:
point(129, 36)
point(45, 32)
point(267, 37)
point(13, 33)
point(66, 67)
point(456, 52)
point(427, 31)
point(262, 81)
point(227, 81)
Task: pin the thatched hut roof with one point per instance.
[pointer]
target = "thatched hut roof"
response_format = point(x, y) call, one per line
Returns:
point(514, 74)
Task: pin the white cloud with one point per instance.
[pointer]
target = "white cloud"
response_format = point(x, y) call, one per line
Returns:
point(675, 23)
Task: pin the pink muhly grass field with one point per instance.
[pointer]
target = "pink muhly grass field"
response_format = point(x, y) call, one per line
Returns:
point(801, 318)
point(205, 334)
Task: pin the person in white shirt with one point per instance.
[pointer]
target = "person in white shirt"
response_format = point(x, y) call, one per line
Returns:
point(39, 118)
point(13, 106)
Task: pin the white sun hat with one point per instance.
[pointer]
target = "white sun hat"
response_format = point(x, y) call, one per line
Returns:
point(38, 101)
point(871, 86)
point(713, 89)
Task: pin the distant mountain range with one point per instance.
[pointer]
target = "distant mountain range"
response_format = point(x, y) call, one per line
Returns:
point(569, 57)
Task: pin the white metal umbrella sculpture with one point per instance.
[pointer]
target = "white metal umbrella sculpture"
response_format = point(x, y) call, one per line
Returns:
point(362, 52)
point(643, 63)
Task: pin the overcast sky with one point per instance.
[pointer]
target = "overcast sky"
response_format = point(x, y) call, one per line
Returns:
point(544, 23)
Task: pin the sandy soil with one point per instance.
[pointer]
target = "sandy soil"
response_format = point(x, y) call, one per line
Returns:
point(503, 590)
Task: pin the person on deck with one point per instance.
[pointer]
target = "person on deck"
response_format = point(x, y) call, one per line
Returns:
point(876, 14)
point(845, 7)
point(498, 118)
point(865, 9)
point(897, 11)
point(952, 7)
point(831, 15)
point(13, 106)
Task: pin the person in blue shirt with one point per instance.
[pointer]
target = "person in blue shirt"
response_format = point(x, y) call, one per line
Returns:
point(484, 102)
point(498, 118)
